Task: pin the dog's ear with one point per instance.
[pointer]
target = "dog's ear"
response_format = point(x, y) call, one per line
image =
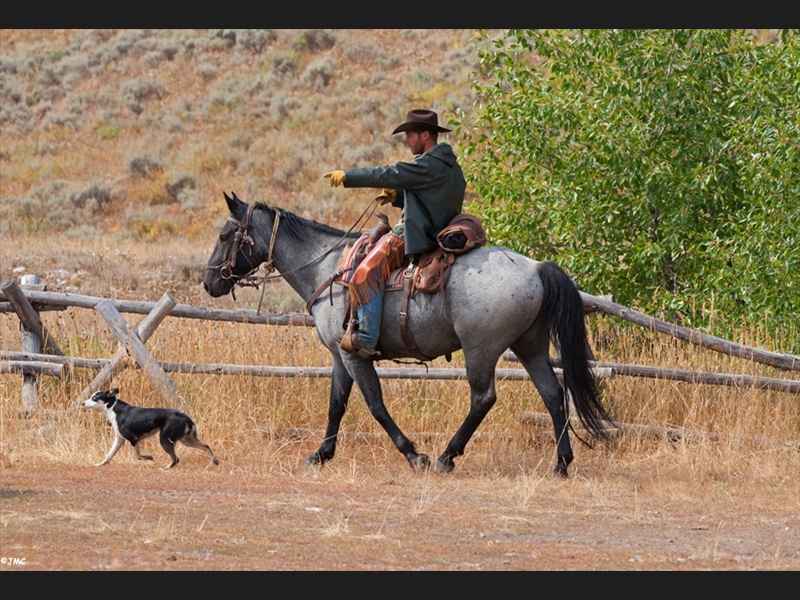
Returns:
point(113, 391)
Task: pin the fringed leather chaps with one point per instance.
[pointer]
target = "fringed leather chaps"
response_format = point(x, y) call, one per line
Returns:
point(371, 274)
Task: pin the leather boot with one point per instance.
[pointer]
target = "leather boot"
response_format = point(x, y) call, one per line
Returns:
point(350, 344)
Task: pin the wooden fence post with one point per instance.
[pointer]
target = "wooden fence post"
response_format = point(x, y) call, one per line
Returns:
point(133, 342)
point(34, 334)
point(30, 343)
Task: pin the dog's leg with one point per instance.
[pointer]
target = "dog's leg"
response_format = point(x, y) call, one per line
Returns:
point(169, 447)
point(118, 441)
point(191, 440)
point(136, 452)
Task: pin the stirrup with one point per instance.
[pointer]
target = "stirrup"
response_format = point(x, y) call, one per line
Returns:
point(351, 345)
point(346, 341)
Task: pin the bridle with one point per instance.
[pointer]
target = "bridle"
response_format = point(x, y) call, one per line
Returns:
point(240, 238)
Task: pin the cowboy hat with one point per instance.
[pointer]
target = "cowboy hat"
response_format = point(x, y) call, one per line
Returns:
point(420, 119)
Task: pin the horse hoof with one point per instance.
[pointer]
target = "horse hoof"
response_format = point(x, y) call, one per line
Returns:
point(444, 467)
point(420, 462)
point(560, 471)
point(313, 461)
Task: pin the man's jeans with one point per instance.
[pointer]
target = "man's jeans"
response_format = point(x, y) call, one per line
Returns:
point(369, 322)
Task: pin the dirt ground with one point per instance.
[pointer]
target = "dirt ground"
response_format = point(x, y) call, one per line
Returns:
point(361, 514)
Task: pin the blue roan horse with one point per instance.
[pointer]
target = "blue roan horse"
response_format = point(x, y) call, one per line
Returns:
point(495, 299)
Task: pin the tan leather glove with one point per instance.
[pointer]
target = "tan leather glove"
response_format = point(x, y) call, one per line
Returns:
point(336, 177)
point(386, 196)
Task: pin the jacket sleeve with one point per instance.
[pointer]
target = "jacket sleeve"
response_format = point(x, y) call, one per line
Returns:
point(398, 176)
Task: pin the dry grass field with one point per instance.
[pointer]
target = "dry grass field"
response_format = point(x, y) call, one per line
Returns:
point(117, 146)
point(636, 503)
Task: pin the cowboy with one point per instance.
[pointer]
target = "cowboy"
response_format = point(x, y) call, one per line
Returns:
point(430, 191)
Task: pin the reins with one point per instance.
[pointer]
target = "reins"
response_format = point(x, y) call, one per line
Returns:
point(242, 237)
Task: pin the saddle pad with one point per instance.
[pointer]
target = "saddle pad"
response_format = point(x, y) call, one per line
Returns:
point(350, 259)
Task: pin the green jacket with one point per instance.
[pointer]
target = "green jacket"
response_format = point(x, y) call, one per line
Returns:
point(430, 190)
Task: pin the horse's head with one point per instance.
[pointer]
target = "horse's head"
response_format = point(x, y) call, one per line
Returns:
point(232, 259)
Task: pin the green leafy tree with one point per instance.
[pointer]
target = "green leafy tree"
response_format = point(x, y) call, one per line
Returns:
point(658, 165)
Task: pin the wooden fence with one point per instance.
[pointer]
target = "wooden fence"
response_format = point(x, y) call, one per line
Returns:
point(41, 355)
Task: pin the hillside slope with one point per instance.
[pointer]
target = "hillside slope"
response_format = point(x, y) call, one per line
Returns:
point(118, 144)
point(139, 131)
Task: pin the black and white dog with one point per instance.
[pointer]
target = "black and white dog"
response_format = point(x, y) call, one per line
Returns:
point(134, 423)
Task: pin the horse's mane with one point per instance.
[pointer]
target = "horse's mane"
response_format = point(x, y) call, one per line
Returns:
point(299, 227)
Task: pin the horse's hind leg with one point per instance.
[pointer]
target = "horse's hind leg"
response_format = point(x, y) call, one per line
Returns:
point(538, 366)
point(341, 386)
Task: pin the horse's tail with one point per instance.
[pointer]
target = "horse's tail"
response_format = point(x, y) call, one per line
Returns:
point(563, 314)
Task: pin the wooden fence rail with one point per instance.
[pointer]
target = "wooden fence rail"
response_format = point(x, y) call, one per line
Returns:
point(60, 301)
point(53, 300)
point(788, 362)
point(28, 300)
point(21, 359)
point(727, 379)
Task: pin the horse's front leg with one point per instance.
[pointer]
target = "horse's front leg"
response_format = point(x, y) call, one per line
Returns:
point(482, 398)
point(370, 386)
point(341, 386)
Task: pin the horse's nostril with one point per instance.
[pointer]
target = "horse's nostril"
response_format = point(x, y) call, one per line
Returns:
point(205, 286)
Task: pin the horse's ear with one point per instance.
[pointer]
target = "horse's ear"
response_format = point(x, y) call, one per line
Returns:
point(232, 201)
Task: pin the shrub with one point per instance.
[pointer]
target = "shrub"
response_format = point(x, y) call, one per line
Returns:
point(255, 40)
point(189, 198)
point(96, 196)
point(151, 59)
point(391, 62)
point(107, 131)
point(315, 40)
point(180, 183)
point(49, 77)
point(56, 206)
point(207, 71)
point(365, 155)
point(459, 62)
point(128, 39)
point(15, 118)
point(660, 164)
point(140, 89)
point(61, 118)
point(151, 230)
point(281, 106)
point(74, 67)
point(8, 65)
point(365, 54)
point(222, 98)
point(281, 61)
point(136, 90)
point(48, 94)
point(318, 73)
point(174, 125)
point(144, 166)
point(228, 36)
